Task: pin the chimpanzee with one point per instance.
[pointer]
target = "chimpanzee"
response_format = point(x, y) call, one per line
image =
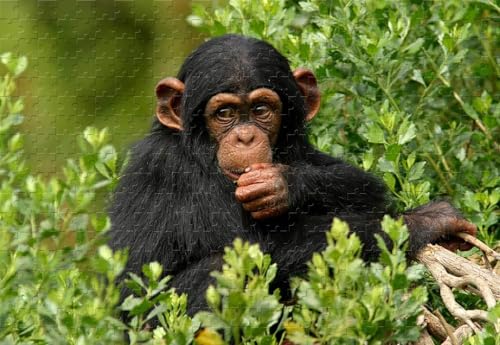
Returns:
point(228, 156)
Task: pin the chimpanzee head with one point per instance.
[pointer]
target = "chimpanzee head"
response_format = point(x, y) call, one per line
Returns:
point(239, 94)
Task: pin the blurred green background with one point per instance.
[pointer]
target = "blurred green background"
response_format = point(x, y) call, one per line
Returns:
point(92, 63)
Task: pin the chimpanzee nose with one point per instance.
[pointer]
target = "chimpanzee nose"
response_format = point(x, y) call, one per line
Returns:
point(245, 135)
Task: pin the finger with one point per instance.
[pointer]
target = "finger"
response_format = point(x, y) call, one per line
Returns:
point(455, 245)
point(260, 204)
point(259, 166)
point(253, 191)
point(467, 227)
point(256, 176)
point(464, 246)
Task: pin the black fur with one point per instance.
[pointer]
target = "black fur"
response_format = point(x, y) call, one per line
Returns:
point(174, 206)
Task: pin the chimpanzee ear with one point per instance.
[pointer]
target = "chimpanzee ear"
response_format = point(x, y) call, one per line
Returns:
point(169, 94)
point(309, 88)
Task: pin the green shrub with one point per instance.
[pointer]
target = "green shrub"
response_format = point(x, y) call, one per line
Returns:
point(409, 93)
point(344, 301)
point(54, 273)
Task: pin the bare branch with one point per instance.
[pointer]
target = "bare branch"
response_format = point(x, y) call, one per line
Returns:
point(460, 334)
point(454, 266)
point(434, 325)
point(479, 244)
point(455, 272)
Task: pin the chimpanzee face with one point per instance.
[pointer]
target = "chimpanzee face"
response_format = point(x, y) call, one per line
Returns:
point(247, 101)
point(245, 127)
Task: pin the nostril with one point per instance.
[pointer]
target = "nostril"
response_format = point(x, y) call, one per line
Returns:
point(245, 137)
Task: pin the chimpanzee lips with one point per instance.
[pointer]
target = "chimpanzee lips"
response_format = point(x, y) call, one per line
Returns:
point(233, 173)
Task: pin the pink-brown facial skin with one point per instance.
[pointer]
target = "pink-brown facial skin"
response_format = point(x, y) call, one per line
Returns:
point(246, 127)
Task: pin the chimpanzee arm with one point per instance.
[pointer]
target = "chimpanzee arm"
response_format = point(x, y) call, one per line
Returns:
point(325, 184)
point(328, 185)
point(437, 222)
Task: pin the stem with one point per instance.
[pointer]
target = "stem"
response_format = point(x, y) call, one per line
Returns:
point(443, 159)
point(424, 94)
point(460, 101)
point(487, 50)
point(489, 3)
point(477, 121)
point(441, 176)
point(389, 97)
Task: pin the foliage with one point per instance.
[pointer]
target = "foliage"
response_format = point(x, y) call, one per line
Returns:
point(242, 307)
point(409, 93)
point(55, 286)
point(340, 301)
point(151, 300)
point(343, 301)
point(489, 336)
point(54, 282)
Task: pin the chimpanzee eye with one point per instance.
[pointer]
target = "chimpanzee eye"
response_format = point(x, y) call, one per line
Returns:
point(225, 113)
point(261, 109)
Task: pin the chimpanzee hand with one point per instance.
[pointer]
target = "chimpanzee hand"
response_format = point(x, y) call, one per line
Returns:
point(263, 190)
point(437, 222)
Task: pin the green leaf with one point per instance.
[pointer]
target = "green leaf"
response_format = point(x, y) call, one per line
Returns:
point(411, 160)
point(417, 76)
point(482, 104)
point(91, 135)
point(416, 171)
point(15, 65)
point(390, 181)
point(108, 155)
point(152, 270)
point(392, 152)
point(470, 111)
point(415, 46)
point(386, 166)
point(406, 132)
point(375, 134)
point(400, 281)
point(79, 222)
point(368, 159)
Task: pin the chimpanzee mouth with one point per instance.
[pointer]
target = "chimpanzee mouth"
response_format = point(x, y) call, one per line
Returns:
point(233, 174)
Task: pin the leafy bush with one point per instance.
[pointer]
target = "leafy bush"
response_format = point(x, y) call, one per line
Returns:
point(342, 301)
point(410, 93)
point(409, 89)
point(54, 275)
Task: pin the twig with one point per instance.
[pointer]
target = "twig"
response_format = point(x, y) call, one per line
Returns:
point(453, 267)
point(449, 330)
point(460, 334)
point(481, 245)
point(434, 326)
